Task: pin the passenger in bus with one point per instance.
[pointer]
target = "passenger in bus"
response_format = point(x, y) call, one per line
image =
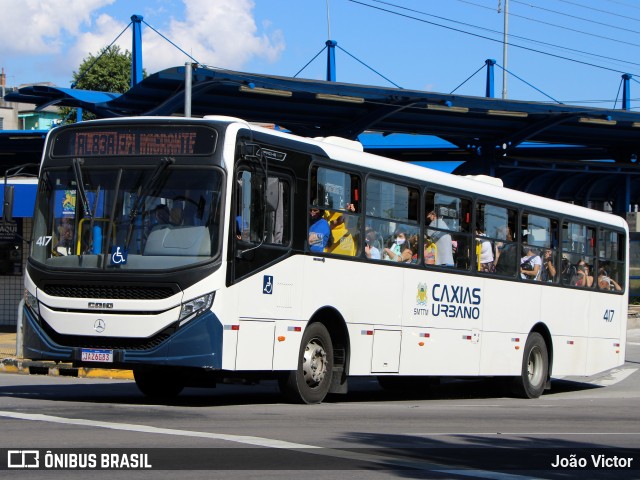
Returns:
point(605, 282)
point(238, 227)
point(65, 237)
point(549, 271)
point(484, 252)
point(530, 263)
point(568, 271)
point(371, 249)
point(65, 245)
point(442, 239)
point(400, 250)
point(413, 244)
point(161, 215)
point(430, 251)
point(506, 253)
point(176, 216)
point(342, 242)
point(583, 279)
point(319, 231)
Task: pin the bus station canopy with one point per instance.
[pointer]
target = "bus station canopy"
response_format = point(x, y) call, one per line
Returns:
point(506, 138)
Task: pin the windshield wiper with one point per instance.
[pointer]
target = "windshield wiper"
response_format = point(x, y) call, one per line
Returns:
point(77, 171)
point(144, 191)
point(89, 212)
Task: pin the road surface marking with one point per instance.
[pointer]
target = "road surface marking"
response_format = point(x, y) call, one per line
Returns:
point(387, 462)
point(614, 377)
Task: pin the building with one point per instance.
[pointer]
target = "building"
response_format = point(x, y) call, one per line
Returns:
point(22, 131)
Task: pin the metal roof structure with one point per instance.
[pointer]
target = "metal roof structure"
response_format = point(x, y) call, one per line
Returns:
point(574, 153)
point(18, 147)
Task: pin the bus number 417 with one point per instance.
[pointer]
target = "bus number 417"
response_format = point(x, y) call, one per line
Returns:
point(608, 315)
point(43, 241)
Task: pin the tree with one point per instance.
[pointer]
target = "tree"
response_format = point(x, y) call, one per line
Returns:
point(108, 71)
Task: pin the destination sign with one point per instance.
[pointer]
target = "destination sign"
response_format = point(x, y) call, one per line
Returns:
point(128, 141)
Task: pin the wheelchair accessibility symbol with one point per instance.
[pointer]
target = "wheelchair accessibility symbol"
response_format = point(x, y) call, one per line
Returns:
point(118, 255)
point(267, 284)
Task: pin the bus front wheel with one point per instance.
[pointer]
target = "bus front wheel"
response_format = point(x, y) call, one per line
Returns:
point(157, 384)
point(310, 382)
point(535, 368)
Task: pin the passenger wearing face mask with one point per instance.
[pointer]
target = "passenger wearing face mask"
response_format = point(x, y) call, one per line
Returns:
point(400, 250)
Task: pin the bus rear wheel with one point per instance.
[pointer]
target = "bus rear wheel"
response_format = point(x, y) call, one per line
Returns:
point(157, 384)
point(310, 382)
point(535, 368)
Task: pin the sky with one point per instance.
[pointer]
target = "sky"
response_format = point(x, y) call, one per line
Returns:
point(568, 51)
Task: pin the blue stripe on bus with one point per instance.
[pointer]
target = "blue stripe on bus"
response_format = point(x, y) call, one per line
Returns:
point(197, 344)
point(38, 345)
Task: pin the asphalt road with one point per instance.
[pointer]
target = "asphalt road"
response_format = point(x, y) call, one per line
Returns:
point(460, 429)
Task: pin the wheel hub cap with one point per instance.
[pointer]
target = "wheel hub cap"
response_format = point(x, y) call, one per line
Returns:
point(314, 366)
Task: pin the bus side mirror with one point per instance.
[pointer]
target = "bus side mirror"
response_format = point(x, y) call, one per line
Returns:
point(7, 205)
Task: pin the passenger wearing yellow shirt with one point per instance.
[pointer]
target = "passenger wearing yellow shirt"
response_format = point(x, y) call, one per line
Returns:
point(341, 239)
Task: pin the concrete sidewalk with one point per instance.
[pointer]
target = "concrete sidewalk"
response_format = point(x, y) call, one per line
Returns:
point(11, 363)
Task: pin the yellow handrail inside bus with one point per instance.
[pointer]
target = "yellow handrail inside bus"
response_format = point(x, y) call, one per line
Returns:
point(103, 220)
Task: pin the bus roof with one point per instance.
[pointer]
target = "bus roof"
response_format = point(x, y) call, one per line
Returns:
point(466, 184)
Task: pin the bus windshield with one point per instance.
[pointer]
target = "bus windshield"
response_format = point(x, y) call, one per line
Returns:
point(135, 218)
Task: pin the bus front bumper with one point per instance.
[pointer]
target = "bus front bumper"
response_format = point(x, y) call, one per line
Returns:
point(197, 344)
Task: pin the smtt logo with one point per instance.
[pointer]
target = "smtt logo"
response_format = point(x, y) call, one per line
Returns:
point(23, 459)
point(422, 299)
point(421, 296)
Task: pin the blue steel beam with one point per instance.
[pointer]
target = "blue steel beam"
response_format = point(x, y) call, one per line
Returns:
point(489, 91)
point(331, 60)
point(136, 56)
point(626, 91)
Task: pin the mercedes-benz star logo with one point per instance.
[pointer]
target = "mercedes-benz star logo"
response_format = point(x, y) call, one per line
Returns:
point(99, 326)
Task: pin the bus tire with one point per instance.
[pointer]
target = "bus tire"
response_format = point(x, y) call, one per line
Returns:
point(535, 368)
point(157, 384)
point(310, 382)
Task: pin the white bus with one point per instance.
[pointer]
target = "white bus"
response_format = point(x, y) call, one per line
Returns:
point(198, 251)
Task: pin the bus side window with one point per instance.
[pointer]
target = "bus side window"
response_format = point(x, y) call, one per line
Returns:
point(337, 193)
point(610, 274)
point(541, 234)
point(498, 224)
point(447, 228)
point(392, 227)
point(262, 211)
point(578, 247)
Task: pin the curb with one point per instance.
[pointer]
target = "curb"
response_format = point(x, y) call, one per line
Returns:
point(30, 367)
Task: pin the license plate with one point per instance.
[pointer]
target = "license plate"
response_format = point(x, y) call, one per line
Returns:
point(93, 355)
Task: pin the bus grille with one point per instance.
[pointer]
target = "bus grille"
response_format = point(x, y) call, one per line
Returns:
point(111, 343)
point(109, 291)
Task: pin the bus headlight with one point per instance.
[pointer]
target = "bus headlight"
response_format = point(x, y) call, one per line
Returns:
point(195, 307)
point(31, 301)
